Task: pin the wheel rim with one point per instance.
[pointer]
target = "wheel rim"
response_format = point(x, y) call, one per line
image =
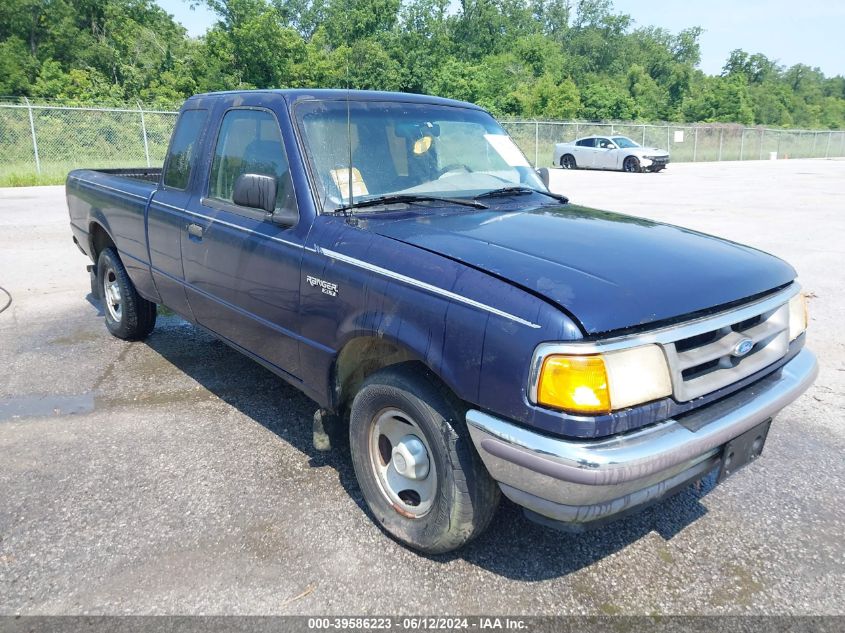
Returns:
point(630, 165)
point(568, 162)
point(111, 294)
point(400, 458)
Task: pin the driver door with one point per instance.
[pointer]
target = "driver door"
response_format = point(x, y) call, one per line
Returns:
point(243, 270)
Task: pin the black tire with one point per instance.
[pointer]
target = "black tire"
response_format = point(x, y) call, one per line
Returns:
point(631, 164)
point(131, 318)
point(465, 497)
point(567, 161)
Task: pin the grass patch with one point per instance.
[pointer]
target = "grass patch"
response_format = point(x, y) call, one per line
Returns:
point(25, 174)
point(28, 177)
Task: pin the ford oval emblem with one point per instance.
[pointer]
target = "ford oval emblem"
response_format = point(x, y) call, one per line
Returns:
point(743, 347)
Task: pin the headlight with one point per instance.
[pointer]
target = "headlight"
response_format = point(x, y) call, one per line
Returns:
point(600, 383)
point(797, 316)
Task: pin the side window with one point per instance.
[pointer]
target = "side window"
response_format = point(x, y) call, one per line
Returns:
point(249, 142)
point(586, 142)
point(603, 143)
point(180, 156)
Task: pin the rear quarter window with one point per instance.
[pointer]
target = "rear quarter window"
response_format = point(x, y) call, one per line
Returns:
point(181, 155)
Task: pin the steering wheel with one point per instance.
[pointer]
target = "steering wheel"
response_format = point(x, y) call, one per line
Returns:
point(453, 167)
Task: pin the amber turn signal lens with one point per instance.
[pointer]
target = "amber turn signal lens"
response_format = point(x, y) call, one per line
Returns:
point(577, 384)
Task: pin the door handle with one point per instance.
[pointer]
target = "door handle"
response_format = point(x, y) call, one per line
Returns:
point(195, 230)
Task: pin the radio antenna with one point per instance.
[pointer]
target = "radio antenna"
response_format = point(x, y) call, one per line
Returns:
point(348, 131)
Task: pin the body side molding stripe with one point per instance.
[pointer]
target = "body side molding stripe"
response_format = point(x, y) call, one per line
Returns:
point(425, 286)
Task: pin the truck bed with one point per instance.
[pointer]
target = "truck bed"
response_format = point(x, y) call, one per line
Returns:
point(117, 200)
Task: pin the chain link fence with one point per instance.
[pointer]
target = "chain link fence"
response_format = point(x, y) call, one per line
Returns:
point(685, 142)
point(40, 143)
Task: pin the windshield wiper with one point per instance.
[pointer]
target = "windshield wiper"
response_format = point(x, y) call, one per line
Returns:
point(407, 198)
point(517, 190)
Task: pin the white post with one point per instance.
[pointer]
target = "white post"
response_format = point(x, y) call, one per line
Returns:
point(721, 138)
point(742, 144)
point(695, 145)
point(668, 138)
point(144, 133)
point(762, 138)
point(827, 147)
point(643, 143)
point(34, 139)
point(536, 144)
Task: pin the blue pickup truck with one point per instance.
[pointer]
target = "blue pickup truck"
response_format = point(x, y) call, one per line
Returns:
point(397, 259)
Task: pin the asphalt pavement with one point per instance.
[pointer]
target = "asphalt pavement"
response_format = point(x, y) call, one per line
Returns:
point(175, 476)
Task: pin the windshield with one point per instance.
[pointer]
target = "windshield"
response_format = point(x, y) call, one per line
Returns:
point(407, 149)
point(624, 141)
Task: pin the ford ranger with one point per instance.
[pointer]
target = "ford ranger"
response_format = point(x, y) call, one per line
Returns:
point(397, 259)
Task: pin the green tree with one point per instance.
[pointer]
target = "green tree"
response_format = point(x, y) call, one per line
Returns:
point(723, 99)
point(552, 99)
point(602, 102)
point(539, 58)
point(17, 67)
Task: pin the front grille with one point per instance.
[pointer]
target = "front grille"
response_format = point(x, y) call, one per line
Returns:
point(708, 361)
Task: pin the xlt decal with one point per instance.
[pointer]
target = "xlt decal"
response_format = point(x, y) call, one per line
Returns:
point(327, 287)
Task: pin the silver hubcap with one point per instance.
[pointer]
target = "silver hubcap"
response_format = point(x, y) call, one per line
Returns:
point(111, 292)
point(399, 457)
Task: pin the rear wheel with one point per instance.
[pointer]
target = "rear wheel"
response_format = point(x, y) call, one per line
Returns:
point(632, 165)
point(128, 315)
point(418, 470)
point(567, 161)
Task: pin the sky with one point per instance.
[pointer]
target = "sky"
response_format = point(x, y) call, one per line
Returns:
point(808, 32)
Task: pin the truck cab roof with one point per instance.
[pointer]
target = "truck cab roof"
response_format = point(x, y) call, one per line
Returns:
point(292, 95)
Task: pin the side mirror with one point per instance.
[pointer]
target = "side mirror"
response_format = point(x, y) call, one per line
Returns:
point(543, 172)
point(256, 191)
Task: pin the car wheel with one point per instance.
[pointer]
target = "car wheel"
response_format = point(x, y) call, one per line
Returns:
point(418, 470)
point(632, 165)
point(128, 315)
point(567, 161)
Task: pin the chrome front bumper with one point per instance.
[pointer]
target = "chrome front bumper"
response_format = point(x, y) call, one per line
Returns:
point(581, 481)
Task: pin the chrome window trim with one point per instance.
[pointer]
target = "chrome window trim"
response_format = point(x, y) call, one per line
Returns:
point(661, 336)
point(231, 207)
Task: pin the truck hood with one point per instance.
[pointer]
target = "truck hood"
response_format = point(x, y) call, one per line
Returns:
point(607, 270)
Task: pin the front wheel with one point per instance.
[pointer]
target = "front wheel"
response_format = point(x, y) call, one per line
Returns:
point(128, 315)
point(632, 165)
point(415, 463)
